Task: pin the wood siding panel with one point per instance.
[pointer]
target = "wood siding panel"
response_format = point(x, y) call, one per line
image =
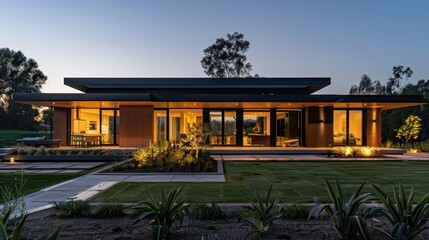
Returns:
point(136, 126)
point(60, 125)
point(373, 127)
point(317, 133)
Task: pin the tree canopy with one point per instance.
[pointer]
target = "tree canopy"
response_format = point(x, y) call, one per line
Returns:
point(226, 57)
point(18, 74)
point(393, 85)
point(397, 84)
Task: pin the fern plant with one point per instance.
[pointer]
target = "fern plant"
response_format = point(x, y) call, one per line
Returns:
point(344, 214)
point(260, 215)
point(408, 221)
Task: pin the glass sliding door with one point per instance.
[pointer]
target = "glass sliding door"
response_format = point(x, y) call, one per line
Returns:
point(348, 127)
point(160, 125)
point(223, 127)
point(180, 122)
point(355, 127)
point(288, 128)
point(107, 127)
point(215, 128)
point(230, 127)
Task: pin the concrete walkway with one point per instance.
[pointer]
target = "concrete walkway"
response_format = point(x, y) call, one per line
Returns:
point(84, 187)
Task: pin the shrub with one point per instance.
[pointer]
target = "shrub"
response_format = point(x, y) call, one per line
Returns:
point(40, 151)
point(109, 211)
point(207, 212)
point(73, 208)
point(295, 211)
point(164, 211)
point(407, 221)
point(259, 216)
point(344, 214)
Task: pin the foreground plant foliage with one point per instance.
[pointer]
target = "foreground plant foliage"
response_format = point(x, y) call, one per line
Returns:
point(408, 221)
point(344, 214)
point(164, 211)
point(260, 215)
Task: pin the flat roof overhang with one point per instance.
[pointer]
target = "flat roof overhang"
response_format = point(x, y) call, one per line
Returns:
point(115, 100)
point(304, 85)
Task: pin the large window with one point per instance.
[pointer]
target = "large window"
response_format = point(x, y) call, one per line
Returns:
point(180, 122)
point(348, 128)
point(216, 127)
point(256, 128)
point(160, 125)
point(223, 127)
point(288, 128)
point(94, 127)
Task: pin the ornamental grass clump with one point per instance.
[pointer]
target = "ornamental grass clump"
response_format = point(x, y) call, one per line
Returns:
point(164, 211)
point(260, 215)
point(344, 213)
point(407, 219)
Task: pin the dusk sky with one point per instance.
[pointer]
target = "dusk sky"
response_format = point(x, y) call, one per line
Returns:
point(337, 39)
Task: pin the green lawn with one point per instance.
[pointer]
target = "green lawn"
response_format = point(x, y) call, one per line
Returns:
point(292, 181)
point(35, 182)
point(8, 137)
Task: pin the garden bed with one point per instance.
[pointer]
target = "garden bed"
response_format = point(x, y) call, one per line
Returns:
point(209, 166)
point(228, 228)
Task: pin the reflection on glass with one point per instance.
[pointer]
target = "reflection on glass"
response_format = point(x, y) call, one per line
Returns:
point(230, 128)
point(160, 125)
point(256, 128)
point(181, 120)
point(355, 131)
point(216, 127)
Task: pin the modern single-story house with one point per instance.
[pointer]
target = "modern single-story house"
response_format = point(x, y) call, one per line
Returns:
point(132, 112)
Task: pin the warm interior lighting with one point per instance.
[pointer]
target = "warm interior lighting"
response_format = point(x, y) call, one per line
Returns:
point(12, 160)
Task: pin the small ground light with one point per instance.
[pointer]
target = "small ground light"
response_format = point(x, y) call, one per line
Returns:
point(413, 150)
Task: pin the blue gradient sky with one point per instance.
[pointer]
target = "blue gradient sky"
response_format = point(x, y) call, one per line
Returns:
point(340, 39)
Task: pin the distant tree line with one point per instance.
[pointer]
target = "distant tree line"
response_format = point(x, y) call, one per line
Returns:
point(397, 85)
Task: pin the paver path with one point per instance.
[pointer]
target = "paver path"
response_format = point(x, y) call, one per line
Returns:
point(86, 186)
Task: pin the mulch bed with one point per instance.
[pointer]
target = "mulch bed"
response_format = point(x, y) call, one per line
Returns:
point(230, 228)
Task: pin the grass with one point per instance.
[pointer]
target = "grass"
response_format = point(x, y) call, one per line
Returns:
point(8, 137)
point(292, 181)
point(35, 182)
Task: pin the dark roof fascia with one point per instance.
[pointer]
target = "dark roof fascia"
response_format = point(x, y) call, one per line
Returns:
point(215, 97)
point(100, 84)
point(80, 97)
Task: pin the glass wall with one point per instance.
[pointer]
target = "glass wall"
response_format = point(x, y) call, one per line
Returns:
point(94, 127)
point(348, 127)
point(160, 125)
point(355, 127)
point(108, 126)
point(181, 120)
point(216, 127)
point(256, 128)
point(288, 128)
point(230, 127)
